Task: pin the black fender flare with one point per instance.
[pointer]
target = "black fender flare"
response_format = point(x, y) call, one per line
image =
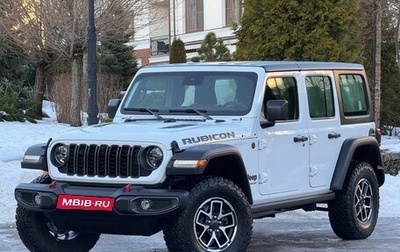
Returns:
point(201, 152)
point(209, 152)
point(36, 150)
point(349, 147)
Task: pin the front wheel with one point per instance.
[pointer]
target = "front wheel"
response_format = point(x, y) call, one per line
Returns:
point(38, 233)
point(217, 218)
point(354, 212)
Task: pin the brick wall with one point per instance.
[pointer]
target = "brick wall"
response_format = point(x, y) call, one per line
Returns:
point(142, 56)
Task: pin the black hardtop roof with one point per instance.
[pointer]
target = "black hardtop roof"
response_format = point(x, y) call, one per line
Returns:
point(272, 66)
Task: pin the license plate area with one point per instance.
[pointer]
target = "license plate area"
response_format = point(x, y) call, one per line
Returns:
point(79, 202)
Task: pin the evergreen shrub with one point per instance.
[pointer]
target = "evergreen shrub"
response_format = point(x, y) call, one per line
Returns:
point(15, 102)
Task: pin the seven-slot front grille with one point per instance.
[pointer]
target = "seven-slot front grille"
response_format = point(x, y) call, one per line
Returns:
point(104, 161)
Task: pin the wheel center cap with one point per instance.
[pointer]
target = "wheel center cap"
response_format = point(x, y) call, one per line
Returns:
point(214, 224)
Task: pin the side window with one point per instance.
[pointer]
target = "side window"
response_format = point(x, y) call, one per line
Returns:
point(354, 94)
point(320, 96)
point(283, 88)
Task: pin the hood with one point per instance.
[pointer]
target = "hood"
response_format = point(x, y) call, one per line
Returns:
point(185, 133)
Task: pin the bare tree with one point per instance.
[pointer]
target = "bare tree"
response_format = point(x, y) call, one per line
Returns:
point(377, 61)
point(49, 30)
point(23, 23)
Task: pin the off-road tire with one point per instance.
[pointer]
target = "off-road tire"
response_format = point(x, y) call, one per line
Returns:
point(354, 212)
point(33, 229)
point(196, 225)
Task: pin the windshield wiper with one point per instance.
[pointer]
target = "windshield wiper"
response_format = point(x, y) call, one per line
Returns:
point(194, 111)
point(150, 111)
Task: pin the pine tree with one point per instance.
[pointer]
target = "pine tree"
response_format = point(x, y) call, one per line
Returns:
point(222, 53)
point(212, 49)
point(177, 53)
point(390, 88)
point(116, 57)
point(14, 66)
point(17, 77)
point(324, 30)
point(390, 74)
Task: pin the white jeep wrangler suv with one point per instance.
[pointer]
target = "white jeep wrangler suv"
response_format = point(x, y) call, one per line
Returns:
point(200, 150)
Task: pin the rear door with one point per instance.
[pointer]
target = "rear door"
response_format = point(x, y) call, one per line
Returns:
point(323, 118)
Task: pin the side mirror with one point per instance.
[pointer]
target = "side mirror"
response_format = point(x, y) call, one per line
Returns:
point(275, 110)
point(113, 105)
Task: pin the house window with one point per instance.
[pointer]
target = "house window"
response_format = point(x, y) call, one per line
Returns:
point(233, 12)
point(194, 15)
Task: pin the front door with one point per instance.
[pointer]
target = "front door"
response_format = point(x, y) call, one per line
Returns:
point(284, 148)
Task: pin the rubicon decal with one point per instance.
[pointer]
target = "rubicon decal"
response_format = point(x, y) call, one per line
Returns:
point(208, 138)
point(75, 202)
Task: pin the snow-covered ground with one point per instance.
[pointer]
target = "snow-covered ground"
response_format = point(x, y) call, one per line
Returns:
point(16, 137)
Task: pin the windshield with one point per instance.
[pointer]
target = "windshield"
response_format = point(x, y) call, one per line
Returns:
point(211, 93)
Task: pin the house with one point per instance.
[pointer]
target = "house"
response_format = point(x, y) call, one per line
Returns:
point(188, 20)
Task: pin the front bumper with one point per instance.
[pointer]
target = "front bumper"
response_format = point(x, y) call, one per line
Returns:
point(136, 210)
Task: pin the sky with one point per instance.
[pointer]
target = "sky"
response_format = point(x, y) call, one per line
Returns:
point(16, 137)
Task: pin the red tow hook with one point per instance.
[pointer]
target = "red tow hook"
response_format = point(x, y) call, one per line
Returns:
point(127, 188)
point(52, 185)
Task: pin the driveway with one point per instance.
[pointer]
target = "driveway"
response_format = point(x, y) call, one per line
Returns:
point(277, 234)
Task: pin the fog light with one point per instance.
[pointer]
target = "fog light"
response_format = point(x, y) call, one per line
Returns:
point(145, 204)
point(38, 199)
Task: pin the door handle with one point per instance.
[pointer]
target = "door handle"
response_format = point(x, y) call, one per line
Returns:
point(300, 139)
point(333, 135)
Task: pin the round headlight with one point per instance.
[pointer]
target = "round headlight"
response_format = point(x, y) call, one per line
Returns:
point(154, 157)
point(61, 154)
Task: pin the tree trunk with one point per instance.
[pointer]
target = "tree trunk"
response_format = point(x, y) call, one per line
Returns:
point(39, 89)
point(397, 39)
point(75, 116)
point(377, 62)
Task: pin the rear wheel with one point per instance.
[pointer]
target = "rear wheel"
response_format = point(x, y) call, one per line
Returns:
point(354, 212)
point(217, 218)
point(38, 233)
